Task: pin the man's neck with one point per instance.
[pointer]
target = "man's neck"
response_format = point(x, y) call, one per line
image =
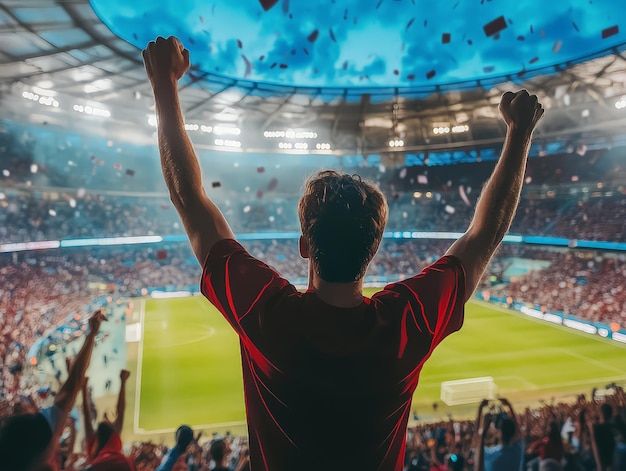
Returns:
point(344, 295)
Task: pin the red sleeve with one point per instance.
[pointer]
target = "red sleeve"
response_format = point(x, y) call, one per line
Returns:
point(240, 286)
point(434, 299)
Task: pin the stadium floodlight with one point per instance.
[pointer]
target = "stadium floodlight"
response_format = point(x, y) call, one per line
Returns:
point(621, 104)
point(226, 130)
point(468, 391)
point(460, 128)
point(322, 146)
point(396, 142)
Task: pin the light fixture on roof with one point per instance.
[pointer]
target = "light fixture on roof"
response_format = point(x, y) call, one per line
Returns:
point(226, 130)
point(621, 104)
point(228, 143)
point(92, 110)
point(395, 140)
point(42, 100)
point(322, 146)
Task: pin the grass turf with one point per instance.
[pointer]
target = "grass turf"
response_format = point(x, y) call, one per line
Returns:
point(191, 372)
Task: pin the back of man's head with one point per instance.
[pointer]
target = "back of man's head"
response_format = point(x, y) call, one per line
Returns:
point(342, 219)
point(607, 412)
point(507, 427)
point(23, 439)
point(218, 451)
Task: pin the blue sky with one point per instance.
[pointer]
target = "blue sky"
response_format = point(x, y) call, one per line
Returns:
point(363, 43)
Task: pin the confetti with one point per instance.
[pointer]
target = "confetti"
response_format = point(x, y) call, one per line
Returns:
point(117, 166)
point(272, 184)
point(313, 36)
point(402, 173)
point(410, 77)
point(380, 2)
point(533, 60)
point(345, 14)
point(201, 19)
point(430, 74)
point(469, 41)
point(422, 179)
point(266, 4)
point(608, 32)
point(285, 6)
point(575, 27)
point(191, 40)
point(130, 172)
point(273, 65)
point(261, 58)
point(396, 72)
point(455, 5)
point(135, 36)
point(259, 194)
point(305, 50)
point(345, 65)
point(488, 69)
point(495, 26)
point(408, 25)
point(216, 184)
point(557, 46)
point(332, 35)
point(248, 70)
point(260, 169)
point(521, 38)
point(283, 66)
point(445, 38)
point(532, 31)
point(161, 254)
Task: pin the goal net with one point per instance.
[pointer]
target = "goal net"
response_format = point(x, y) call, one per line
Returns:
point(467, 391)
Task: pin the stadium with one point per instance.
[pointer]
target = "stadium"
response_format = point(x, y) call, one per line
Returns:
point(405, 95)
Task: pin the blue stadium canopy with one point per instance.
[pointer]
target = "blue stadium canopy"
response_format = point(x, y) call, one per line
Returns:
point(391, 70)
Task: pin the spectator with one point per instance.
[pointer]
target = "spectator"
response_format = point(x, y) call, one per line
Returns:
point(507, 453)
point(311, 359)
point(29, 441)
point(104, 447)
point(175, 458)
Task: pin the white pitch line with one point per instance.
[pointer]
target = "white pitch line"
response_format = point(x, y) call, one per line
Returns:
point(142, 314)
point(564, 328)
point(597, 363)
point(195, 427)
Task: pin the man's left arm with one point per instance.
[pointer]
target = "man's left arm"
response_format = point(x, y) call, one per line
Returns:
point(166, 61)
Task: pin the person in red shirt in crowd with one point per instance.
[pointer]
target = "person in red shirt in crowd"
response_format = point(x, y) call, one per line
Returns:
point(104, 445)
point(329, 361)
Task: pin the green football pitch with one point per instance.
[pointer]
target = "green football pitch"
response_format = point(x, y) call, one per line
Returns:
point(188, 364)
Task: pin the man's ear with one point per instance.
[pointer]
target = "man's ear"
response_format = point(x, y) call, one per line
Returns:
point(304, 249)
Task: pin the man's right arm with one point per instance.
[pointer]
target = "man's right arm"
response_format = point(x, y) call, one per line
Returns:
point(499, 199)
point(166, 62)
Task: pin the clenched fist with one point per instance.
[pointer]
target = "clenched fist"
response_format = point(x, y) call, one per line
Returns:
point(520, 110)
point(166, 60)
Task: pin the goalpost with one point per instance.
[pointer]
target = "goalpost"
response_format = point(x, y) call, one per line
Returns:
point(467, 391)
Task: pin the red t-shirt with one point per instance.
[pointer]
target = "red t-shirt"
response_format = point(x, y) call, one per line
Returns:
point(328, 387)
point(110, 458)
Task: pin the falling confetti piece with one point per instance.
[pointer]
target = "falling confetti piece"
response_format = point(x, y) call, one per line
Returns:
point(192, 41)
point(495, 26)
point(533, 60)
point(345, 15)
point(266, 4)
point(313, 36)
point(380, 2)
point(260, 169)
point(332, 35)
point(445, 38)
point(135, 36)
point(469, 41)
point(532, 31)
point(285, 6)
point(261, 58)
point(488, 69)
point(259, 194)
point(575, 27)
point(455, 5)
point(273, 65)
point(521, 38)
point(130, 172)
point(201, 19)
point(396, 72)
point(216, 184)
point(410, 77)
point(117, 166)
point(425, 23)
point(345, 65)
point(408, 25)
point(557, 46)
point(272, 184)
point(248, 67)
point(430, 74)
point(239, 44)
point(305, 50)
point(608, 32)
point(283, 66)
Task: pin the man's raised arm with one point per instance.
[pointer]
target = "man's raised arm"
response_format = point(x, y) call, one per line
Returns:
point(498, 201)
point(166, 61)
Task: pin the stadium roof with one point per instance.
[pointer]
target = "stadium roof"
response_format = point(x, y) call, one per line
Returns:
point(61, 65)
